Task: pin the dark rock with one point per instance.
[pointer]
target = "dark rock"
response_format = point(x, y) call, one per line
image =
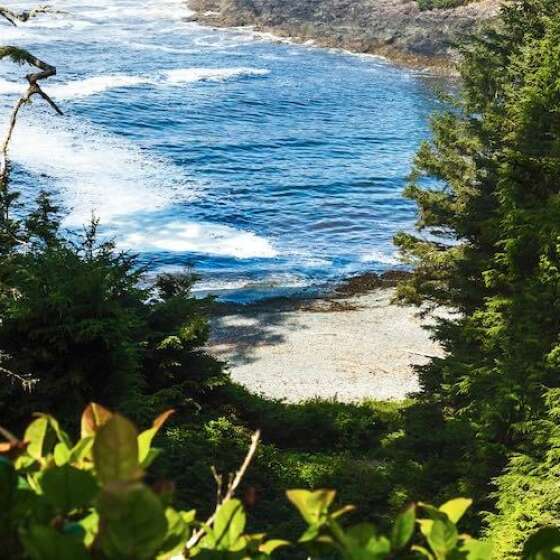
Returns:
point(396, 28)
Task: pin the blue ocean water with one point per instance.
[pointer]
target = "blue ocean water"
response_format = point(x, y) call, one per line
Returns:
point(268, 166)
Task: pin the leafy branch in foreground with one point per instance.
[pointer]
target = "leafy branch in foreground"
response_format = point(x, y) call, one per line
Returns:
point(61, 500)
point(234, 483)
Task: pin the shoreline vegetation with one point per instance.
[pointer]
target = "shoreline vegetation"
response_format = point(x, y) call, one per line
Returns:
point(399, 31)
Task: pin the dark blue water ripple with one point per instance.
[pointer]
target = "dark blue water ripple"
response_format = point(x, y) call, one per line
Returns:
point(265, 165)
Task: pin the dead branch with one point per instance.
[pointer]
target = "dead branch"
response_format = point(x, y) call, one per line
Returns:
point(432, 356)
point(21, 56)
point(26, 381)
point(232, 486)
point(26, 15)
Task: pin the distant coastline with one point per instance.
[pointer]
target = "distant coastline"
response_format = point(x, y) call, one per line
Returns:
point(396, 30)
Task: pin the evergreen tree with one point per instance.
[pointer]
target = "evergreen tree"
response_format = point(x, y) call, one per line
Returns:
point(79, 317)
point(528, 495)
point(488, 192)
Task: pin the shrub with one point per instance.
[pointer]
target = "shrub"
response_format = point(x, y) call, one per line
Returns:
point(315, 425)
point(80, 318)
point(90, 499)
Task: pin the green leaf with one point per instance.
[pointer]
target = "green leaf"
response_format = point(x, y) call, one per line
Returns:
point(229, 525)
point(311, 533)
point(28, 503)
point(403, 528)
point(423, 551)
point(312, 505)
point(8, 487)
point(455, 509)
point(270, 546)
point(133, 520)
point(178, 533)
point(37, 437)
point(152, 455)
point(90, 525)
point(443, 537)
point(188, 516)
point(61, 435)
point(67, 488)
point(435, 514)
point(61, 454)
point(146, 437)
point(115, 451)
point(471, 549)
point(543, 545)
point(81, 450)
point(45, 543)
point(362, 533)
point(363, 543)
point(379, 547)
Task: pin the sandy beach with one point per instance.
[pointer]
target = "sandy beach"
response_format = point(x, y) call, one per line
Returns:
point(348, 348)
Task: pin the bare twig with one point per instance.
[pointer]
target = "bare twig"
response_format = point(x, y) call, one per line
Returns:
point(26, 381)
point(219, 483)
point(422, 354)
point(45, 71)
point(22, 17)
point(233, 484)
point(8, 435)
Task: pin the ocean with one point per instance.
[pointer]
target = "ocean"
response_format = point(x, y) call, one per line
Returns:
point(268, 167)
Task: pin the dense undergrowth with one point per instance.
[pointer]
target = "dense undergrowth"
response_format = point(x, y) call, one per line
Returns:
point(90, 499)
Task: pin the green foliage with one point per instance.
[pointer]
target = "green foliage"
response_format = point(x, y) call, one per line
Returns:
point(442, 4)
point(16, 54)
point(440, 536)
point(80, 318)
point(95, 503)
point(487, 193)
point(528, 494)
point(315, 425)
point(378, 455)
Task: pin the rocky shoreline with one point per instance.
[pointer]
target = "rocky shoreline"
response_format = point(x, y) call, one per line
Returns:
point(396, 29)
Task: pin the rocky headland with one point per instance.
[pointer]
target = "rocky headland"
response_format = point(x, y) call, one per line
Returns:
point(397, 29)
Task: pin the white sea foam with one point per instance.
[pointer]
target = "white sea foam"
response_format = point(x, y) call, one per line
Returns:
point(8, 88)
point(59, 23)
point(162, 48)
point(95, 171)
point(12, 34)
point(104, 174)
point(187, 75)
point(380, 257)
point(157, 9)
point(272, 281)
point(207, 238)
point(93, 85)
point(80, 88)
